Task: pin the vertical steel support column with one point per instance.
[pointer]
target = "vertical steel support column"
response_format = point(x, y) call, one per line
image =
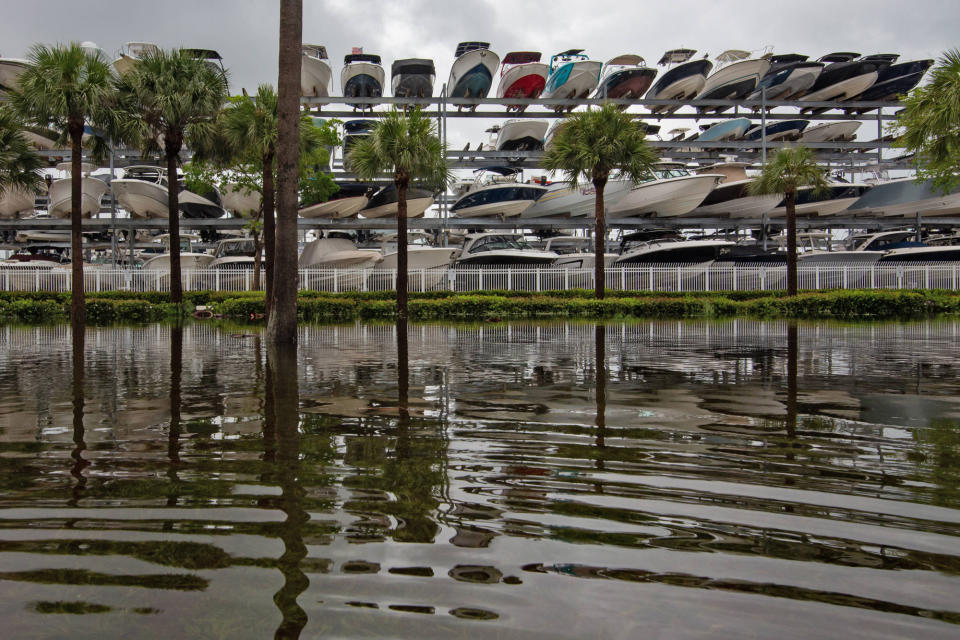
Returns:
point(763, 126)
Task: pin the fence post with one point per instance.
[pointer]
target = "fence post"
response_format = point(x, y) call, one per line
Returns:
point(216, 279)
point(954, 277)
point(816, 281)
point(679, 285)
point(36, 281)
point(423, 280)
point(509, 278)
point(873, 276)
point(926, 276)
point(566, 279)
point(247, 285)
point(480, 285)
point(650, 282)
point(899, 276)
point(335, 284)
point(623, 279)
point(763, 278)
point(538, 279)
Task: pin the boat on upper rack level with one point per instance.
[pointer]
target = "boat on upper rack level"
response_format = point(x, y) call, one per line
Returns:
point(894, 81)
point(572, 75)
point(362, 76)
point(521, 134)
point(624, 77)
point(10, 70)
point(845, 76)
point(790, 75)
point(562, 200)
point(732, 196)
point(383, 203)
point(347, 202)
point(131, 53)
point(736, 77)
point(316, 77)
point(670, 190)
point(777, 130)
point(522, 75)
point(471, 75)
point(412, 77)
point(92, 190)
point(683, 79)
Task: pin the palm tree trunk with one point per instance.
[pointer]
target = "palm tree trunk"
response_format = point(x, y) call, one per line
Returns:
point(790, 199)
point(282, 323)
point(173, 217)
point(402, 248)
point(78, 309)
point(269, 227)
point(600, 238)
point(257, 248)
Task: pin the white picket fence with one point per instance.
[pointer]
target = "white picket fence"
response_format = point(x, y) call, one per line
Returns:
point(672, 277)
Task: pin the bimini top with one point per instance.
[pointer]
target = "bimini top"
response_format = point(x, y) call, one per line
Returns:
point(358, 126)
point(627, 59)
point(676, 56)
point(361, 57)
point(569, 53)
point(788, 58)
point(204, 54)
point(733, 55)
point(839, 56)
point(413, 66)
point(503, 171)
point(315, 50)
point(466, 47)
point(882, 57)
point(521, 57)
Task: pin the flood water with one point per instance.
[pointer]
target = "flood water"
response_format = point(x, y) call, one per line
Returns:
point(665, 479)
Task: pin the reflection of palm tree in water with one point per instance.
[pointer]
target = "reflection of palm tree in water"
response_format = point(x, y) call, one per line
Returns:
point(78, 340)
point(791, 420)
point(600, 371)
point(173, 435)
point(282, 421)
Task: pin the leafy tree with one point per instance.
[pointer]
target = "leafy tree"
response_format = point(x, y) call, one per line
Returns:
point(167, 99)
point(63, 88)
point(19, 163)
point(930, 124)
point(590, 146)
point(791, 169)
point(408, 146)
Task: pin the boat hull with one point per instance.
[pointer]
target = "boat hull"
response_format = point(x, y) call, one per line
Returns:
point(573, 80)
point(362, 80)
point(732, 82)
point(626, 84)
point(316, 78)
point(681, 82)
point(522, 135)
point(142, 199)
point(831, 132)
point(241, 202)
point(523, 81)
point(10, 70)
point(843, 90)
point(415, 208)
point(787, 84)
point(60, 197)
point(561, 200)
point(14, 202)
point(666, 198)
point(472, 74)
point(340, 208)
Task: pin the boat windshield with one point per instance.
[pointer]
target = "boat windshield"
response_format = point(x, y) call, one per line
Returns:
point(672, 172)
point(498, 243)
point(236, 249)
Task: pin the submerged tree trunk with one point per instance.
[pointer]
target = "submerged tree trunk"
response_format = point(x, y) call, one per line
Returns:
point(402, 182)
point(257, 248)
point(600, 236)
point(269, 227)
point(78, 309)
point(173, 142)
point(790, 199)
point(282, 323)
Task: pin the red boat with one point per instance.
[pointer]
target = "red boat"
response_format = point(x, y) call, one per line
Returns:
point(522, 75)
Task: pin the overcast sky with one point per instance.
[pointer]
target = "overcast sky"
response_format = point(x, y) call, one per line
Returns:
point(245, 32)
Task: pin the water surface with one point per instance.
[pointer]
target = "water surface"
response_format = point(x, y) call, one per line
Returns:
point(649, 479)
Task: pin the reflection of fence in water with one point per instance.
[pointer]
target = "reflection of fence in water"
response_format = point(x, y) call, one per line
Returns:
point(660, 277)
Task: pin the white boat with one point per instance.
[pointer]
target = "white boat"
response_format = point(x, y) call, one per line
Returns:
point(10, 70)
point(131, 53)
point(471, 75)
point(906, 197)
point(839, 197)
point(561, 200)
point(14, 202)
point(736, 77)
point(790, 75)
point(362, 77)
point(241, 201)
point(232, 259)
point(500, 250)
point(189, 258)
point(347, 202)
point(626, 76)
point(683, 78)
point(522, 75)
point(316, 78)
point(861, 249)
point(521, 134)
point(843, 131)
point(413, 78)
point(551, 132)
point(142, 191)
point(383, 203)
point(60, 193)
point(732, 196)
point(845, 76)
point(575, 252)
point(669, 247)
point(337, 250)
point(572, 75)
point(496, 191)
point(669, 191)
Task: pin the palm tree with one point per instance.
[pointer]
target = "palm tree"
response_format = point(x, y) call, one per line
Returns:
point(590, 146)
point(19, 163)
point(791, 168)
point(408, 146)
point(282, 323)
point(63, 88)
point(250, 129)
point(170, 97)
point(929, 122)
